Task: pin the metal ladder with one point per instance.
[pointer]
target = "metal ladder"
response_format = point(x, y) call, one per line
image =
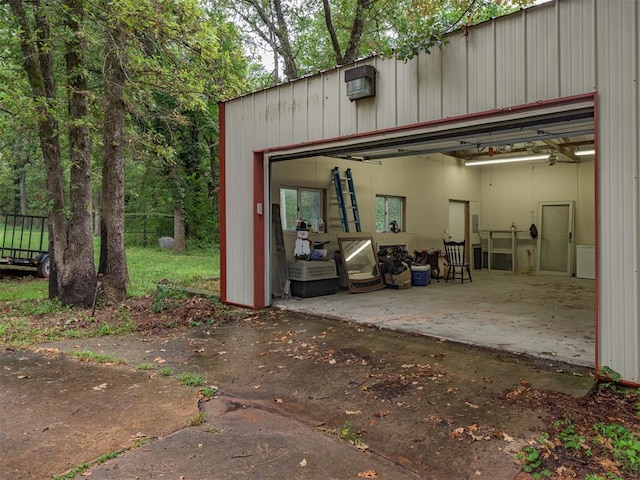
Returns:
point(340, 193)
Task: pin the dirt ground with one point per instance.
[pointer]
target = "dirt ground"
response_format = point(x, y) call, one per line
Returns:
point(422, 407)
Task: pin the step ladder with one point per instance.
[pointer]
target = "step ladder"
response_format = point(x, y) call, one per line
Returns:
point(340, 194)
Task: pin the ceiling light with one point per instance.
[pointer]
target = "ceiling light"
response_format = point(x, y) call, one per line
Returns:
point(490, 161)
point(580, 153)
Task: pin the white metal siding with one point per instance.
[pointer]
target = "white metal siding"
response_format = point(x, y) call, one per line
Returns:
point(429, 85)
point(239, 226)
point(557, 49)
point(617, 77)
point(482, 75)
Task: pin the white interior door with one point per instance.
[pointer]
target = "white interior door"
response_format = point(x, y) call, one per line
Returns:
point(456, 231)
point(555, 238)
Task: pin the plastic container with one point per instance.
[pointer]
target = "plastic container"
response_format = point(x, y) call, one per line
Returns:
point(306, 271)
point(420, 275)
point(314, 288)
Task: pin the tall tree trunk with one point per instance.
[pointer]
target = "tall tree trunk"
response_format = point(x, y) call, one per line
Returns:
point(179, 244)
point(357, 29)
point(113, 263)
point(23, 192)
point(77, 280)
point(328, 19)
point(282, 32)
point(72, 278)
point(215, 182)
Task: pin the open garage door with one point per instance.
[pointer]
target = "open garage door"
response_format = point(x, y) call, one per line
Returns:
point(504, 165)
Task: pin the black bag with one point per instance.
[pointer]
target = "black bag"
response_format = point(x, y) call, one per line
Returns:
point(533, 231)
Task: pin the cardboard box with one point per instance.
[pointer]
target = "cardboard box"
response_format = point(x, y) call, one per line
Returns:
point(400, 281)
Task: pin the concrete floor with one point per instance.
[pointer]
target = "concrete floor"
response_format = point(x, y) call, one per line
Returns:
point(545, 316)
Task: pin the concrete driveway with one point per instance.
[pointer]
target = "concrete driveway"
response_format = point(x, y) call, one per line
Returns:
point(298, 397)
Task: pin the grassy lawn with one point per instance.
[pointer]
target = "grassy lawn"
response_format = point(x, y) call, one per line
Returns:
point(147, 267)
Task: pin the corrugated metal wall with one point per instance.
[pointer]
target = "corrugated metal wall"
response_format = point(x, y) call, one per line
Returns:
point(558, 49)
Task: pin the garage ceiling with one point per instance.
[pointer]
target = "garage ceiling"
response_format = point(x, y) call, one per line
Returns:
point(560, 134)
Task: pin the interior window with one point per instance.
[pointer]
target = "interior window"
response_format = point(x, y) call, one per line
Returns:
point(304, 203)
point(389, 213)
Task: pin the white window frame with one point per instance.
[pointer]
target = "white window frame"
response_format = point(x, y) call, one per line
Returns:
point(299, 192)
point(387, 219)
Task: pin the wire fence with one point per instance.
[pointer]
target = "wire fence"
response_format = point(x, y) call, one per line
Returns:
point(144, 229)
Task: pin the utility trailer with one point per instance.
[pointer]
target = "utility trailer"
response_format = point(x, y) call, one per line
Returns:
point(25, 243)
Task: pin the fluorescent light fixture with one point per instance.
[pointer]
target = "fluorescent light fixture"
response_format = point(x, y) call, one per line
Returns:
point(490, 161)
point(581, 153)
point(358, 250)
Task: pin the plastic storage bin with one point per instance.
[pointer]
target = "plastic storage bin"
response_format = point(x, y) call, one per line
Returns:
point(420, 275)
point(306, 271)
point(312, 278)
point(314, 288)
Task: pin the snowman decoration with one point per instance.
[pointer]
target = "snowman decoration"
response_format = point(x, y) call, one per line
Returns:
point(302, 250)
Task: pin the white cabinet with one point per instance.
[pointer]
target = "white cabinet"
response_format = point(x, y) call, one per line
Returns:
point(586, 261)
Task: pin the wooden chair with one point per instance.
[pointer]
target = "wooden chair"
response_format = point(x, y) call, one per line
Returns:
point(454, 252)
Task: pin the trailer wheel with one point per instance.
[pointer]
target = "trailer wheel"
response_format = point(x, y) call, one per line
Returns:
point(44, 267)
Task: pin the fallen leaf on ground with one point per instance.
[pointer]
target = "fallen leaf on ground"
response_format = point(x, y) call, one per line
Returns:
point(507, 438)
point(351, 412)
point(609, 466)
point(102, 386)
point(159, 360)
point(472, 405)
point(368, 474)
point(303, 463)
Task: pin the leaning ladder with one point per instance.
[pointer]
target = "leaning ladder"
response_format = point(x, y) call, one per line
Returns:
point(340, 193)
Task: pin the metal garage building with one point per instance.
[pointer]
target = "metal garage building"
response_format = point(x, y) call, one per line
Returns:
point(556, 78)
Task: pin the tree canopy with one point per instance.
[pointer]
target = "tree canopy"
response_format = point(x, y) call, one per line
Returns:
point(307, 36)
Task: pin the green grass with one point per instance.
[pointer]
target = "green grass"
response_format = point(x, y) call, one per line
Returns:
point(89, 356)
point(146, 366)
point(191, 379)
point(208, 392)
point(23, 288)
point(146, 266)
point(197, 420)
point(73, 472)
point(24, 238)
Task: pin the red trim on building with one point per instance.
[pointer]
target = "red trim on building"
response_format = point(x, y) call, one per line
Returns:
point(222, 200)
point(259, 234)
point(596, 186)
